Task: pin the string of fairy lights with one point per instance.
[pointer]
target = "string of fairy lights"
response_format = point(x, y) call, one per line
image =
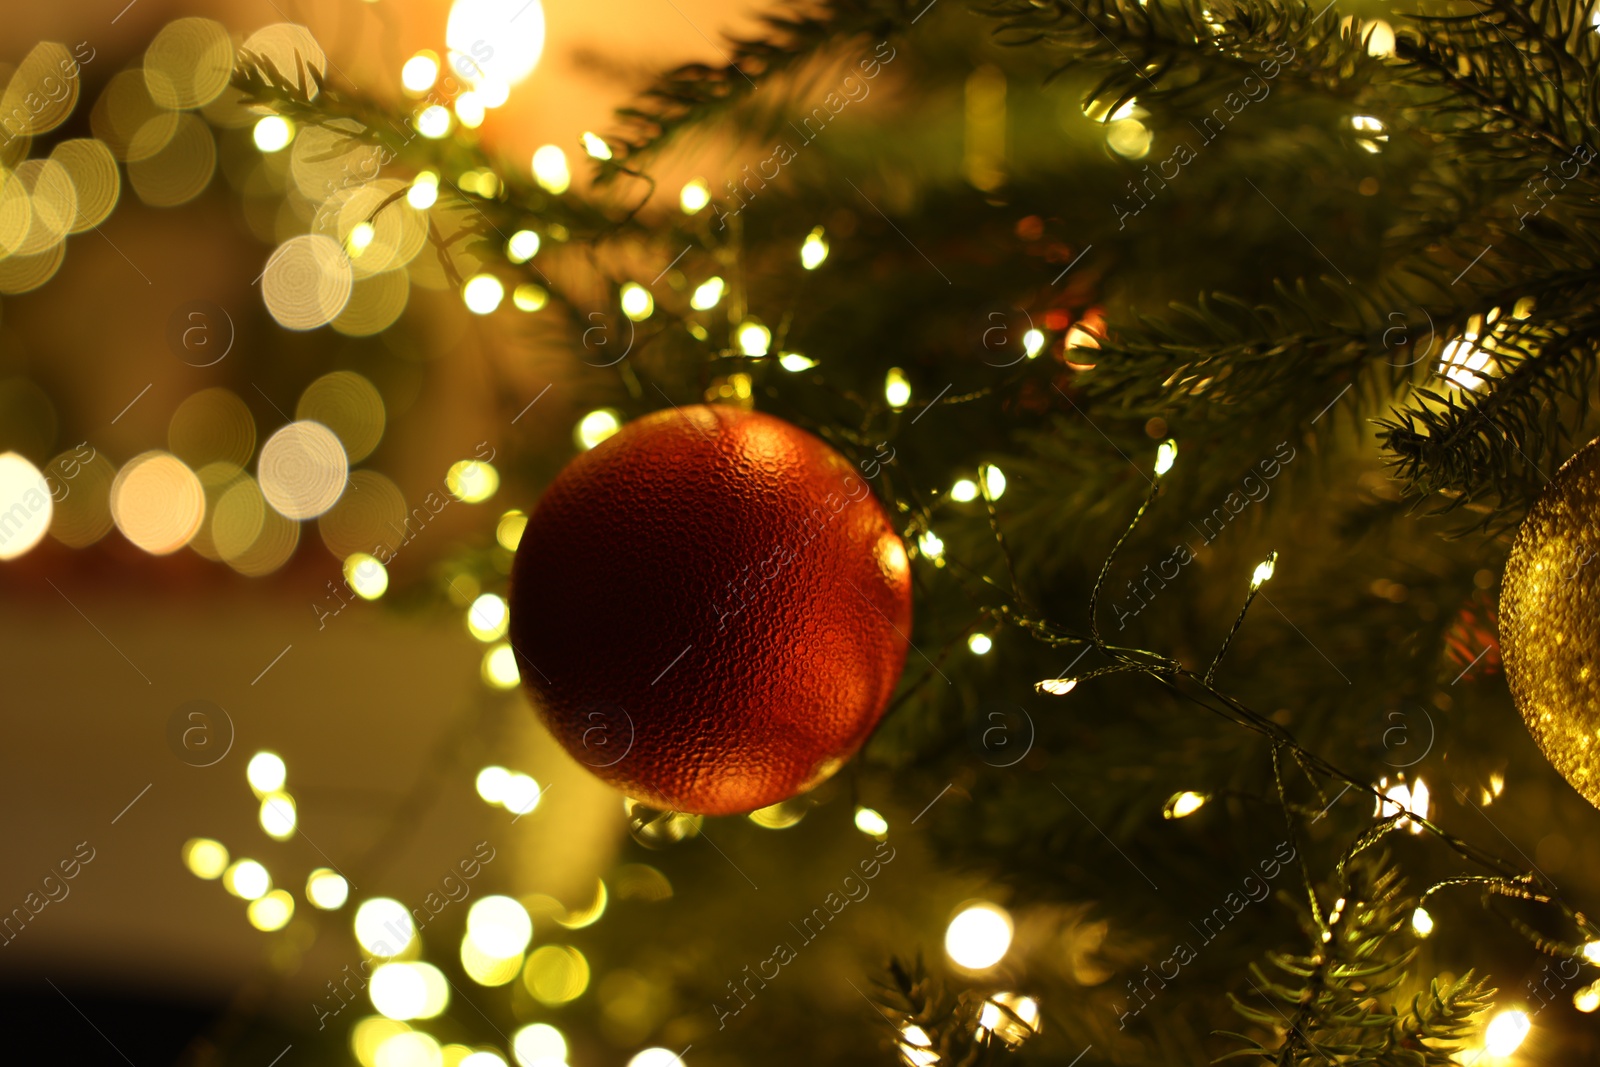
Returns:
point(347, 254)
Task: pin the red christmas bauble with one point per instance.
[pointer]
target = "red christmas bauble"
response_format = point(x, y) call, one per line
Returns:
point(710, 609)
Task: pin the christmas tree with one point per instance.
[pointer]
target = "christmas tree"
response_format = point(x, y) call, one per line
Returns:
point(1205, 357)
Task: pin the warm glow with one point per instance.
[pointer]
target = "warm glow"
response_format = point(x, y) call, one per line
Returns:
point(523, 246)
point(1421, 922)
point(1166, 456)
point(707, 294)
point(273, 133)
point(521, 794)
point(964, 491)
point(491, 784)
point(327, 889)
point(916, 1046)
point(470, 111)
point(550, 169)
point(1263, 572)
point(979, 936)
point(980, 644)
point(1011, 1017)
point(500, 926)
point(408, 1048)
point(637, 303)
point(1186, 803)
point(1401, 797)
point(482, 1059)
point(656, 1057)
point(1587, 999)
point(472, 481)
point(929, 544)
point(529, 297)
point(1506, 1032)
point(424, 191)
point(994, 481)
point(384, 927)
point(303, 469)
point(366, 575)
point(409, 990)
point(595, 146)
point(156, 501)
point(1057, 687)
point(278, 816)
point(495, 41)
point(271, 912)
point(814, 249)
point(420, 71)
point(433, 122)
point(500, 667)
point(25, 505)
point(694, 196)
point(205, 858)
point(539, 1045)
point(1033, 343)
point(794, 362)
point(871, 823)
point(488, 618)
point(508, 532)
point(247, 880)
point(596, 427)
point(754, 339)
point(266, 773)
point(487, 970)
point(482, 293)
point(897, 388)
point(1591, 952)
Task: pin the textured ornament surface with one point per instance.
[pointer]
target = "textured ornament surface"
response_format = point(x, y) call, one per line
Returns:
point(710, 609)
point(1550, 622)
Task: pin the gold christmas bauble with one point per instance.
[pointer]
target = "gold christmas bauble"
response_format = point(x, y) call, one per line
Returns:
point(1550, 621)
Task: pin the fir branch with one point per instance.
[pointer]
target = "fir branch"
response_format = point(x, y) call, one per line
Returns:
point(693, 94)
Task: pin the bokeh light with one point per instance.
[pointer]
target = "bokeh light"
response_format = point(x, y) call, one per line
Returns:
point(897, 388)
point(550, 169)
point(495, 42)
point(508, 531)
point(522, 246)
point(409, 990)
point(482, 293)
point(869, 822)
point(420, 71)
point(278, 816)
point(636, 301)
point(327, 889)
point(266, 772)
point(754, 338)
point(596, 427)
point(656, 1057)
point(978, 937)
point(383, 926)
point(964, 491)
point(205, 858)
point(488, 618)
point(486, 969)
point(500, 667)
point(539, 1045)
point(472, 481)
point(366, 575)
point(302, 469)
point(272, 133)
point(409, 1048)
point(350, 406)
point(521, 794)
point(434, 122)
point(694, 196)
point(530, 297)
point(25, 505)
point(500, 926)
point(247, 880)
point(707, 294)
point(307, 281)
point(814, 250)
point(157, 502)
point(556, 974)
point(1506, 1032)
point(272, 911)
